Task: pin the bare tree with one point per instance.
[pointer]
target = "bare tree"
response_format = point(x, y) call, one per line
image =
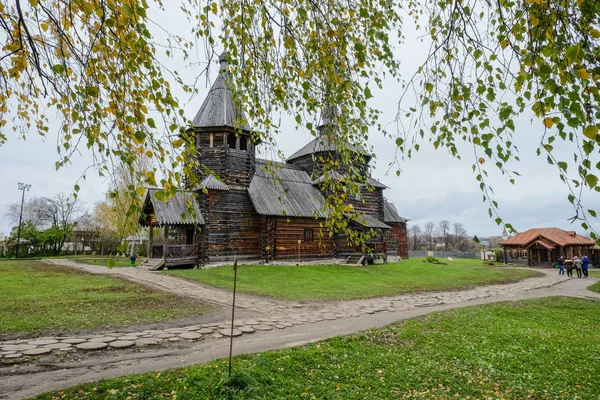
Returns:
point(429, 234)
point(460, 234)
point(33, 211)
point(415, 237)
point(61, 210)
point(444, 230)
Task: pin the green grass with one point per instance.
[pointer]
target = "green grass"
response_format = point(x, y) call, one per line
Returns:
point(347, 282)
point(594, 273)
point(536, 349)
point(36, 297)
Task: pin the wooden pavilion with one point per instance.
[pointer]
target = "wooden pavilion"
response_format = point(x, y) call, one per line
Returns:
point(543, 246)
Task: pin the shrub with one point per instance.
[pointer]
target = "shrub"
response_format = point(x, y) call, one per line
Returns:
point(499, 253)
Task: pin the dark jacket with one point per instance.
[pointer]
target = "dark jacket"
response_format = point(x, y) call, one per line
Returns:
point(585, 262)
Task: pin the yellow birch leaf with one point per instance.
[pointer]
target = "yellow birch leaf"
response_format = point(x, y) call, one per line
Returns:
point(548, 122)
point(582, 73)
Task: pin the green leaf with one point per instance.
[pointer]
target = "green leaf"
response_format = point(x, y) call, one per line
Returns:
point(591, 132)
point(591, 180)
point(58, 69)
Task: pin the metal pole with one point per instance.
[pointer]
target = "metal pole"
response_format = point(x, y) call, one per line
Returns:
point(232, 312)
point(22, 187)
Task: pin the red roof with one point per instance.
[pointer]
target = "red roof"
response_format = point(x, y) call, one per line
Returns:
point(543, 243)
point(553, 235)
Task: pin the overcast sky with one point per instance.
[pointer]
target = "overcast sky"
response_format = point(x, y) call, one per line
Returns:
point(433, 185)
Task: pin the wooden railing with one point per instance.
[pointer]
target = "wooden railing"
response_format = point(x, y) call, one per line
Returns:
point(182, 251)
point(157, 251)
point(175, 251)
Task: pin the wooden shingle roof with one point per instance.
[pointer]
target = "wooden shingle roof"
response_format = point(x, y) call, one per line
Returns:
point(552, 235)
point(175, 211)
point(322, 144)
point(336, 175)
point(211, 182)
point(218, 109)
point(369, 221)
point(281, 191)
point(390, 213)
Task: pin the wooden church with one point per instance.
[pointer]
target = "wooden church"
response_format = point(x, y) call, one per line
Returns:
point(255, 209)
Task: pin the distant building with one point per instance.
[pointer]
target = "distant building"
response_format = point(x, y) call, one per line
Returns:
point(543, 246)
point(259, 209)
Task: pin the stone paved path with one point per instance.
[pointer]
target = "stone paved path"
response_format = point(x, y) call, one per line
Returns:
point(274, 315)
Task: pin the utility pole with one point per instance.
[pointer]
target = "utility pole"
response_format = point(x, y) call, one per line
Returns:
point(23, 187)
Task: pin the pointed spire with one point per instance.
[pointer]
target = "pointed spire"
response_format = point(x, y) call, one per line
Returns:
point(223, 61)
point(328, 117)
point(218, 109)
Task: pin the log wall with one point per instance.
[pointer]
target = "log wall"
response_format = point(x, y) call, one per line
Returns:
point(232, 225)
point(285, 233)
point(399, 237)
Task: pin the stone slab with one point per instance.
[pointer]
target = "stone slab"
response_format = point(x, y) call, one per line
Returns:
point(42, 342)
point(228, 332)
point(190, 336)
point(37, 352)
point(92, 345)
point(58, 346)
point(13, 356)
point(247, 329)
point(73, 341)
point(205, 331)
point(103, 339)
point(18, 347)
point(263, 327)
point(166, 335)
point(121, 344)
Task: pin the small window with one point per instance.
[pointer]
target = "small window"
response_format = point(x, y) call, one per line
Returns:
point(243, 143)
point(308, 235)
point(212, 140)
point(231, 139)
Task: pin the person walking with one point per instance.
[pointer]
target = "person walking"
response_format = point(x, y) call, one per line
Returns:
point(577, 265)
point(584, 265)
point(561, 265)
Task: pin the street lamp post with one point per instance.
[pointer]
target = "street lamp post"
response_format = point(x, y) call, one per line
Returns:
point(23, 187)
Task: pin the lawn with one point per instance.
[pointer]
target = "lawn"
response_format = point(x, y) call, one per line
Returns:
point(504, 351)
point(347, 282)
point(36, 297)
point(594, 273)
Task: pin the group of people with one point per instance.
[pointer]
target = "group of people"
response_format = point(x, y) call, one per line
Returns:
point(580, 265)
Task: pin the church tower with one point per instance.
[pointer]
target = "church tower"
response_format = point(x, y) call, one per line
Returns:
point(226, 154)
point(224, 142)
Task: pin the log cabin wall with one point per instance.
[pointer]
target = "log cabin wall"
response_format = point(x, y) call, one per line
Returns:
point(369, 202)
point(232, 225)
point(289, 230)
point(399, 239)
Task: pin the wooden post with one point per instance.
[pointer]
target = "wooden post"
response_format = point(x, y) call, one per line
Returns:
point(150, 240)
point(232, 312)
point(165, 241)
point(299, 241)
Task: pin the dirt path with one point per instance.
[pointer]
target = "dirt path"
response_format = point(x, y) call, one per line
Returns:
point(288, 325)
